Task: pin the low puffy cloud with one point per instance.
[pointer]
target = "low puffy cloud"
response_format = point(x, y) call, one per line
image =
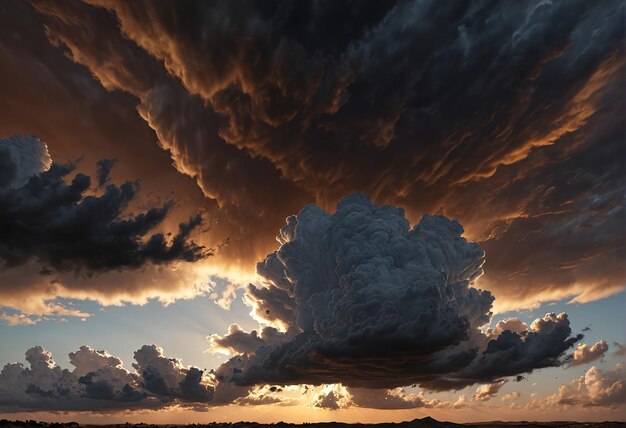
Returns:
point(619, 349)
point(100, 382)
point(332, 397)
point(17, 319)
point(585, 354)
point(509, 398)
point(596, 387)
point(238, 341)
point(272, 394)
point(485, 392)
point(370, 302)
point(461, 402)
point(167, 377)
point(393, 399)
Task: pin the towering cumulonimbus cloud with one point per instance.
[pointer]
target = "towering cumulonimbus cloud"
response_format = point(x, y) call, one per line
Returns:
point(63, 226)
point(100, 382)
point(370, 302)
point(268, 114)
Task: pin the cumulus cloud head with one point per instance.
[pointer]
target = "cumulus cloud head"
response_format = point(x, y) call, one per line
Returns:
point(596, 387)
point(238, 341)
point(366, 300)
point(99, 381)
point(21, 157)
point(485, 392)
point(332, 397)
point(587, 353)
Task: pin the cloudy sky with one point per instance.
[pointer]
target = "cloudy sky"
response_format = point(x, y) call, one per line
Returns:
point(316, 210)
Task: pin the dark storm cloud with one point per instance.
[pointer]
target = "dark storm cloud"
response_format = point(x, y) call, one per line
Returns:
point(376, 303)
point(567, 236)
point(479, 110)
point(391, 72)
point(100, 382)
point(166, 377)
point(57, 221)
point(104, 167)
point(250, 192)
point(44, 92)
point(184, 125)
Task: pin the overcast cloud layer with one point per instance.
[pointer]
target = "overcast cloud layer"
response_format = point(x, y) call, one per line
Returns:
point(268, 113)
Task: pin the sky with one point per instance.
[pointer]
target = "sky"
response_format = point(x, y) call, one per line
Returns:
point(312, 211)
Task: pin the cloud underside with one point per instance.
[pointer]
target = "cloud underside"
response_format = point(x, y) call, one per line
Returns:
point(506, 117)
point(99, 382)
point(357, 298)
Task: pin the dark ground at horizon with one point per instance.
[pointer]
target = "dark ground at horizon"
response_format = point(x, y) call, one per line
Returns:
point(417, 423)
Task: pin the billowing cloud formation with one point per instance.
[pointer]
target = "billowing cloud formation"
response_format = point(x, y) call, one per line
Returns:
point(505, 116)
point(238, 341)
point(511, 324)
point(485, 392)
point(100, 382)
point(63, 226)
point(369, 301)
point(596, 387)
point(332, 397)
point(167, 377)
point(20, 159)
point(391, 399)
point(585, 354)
